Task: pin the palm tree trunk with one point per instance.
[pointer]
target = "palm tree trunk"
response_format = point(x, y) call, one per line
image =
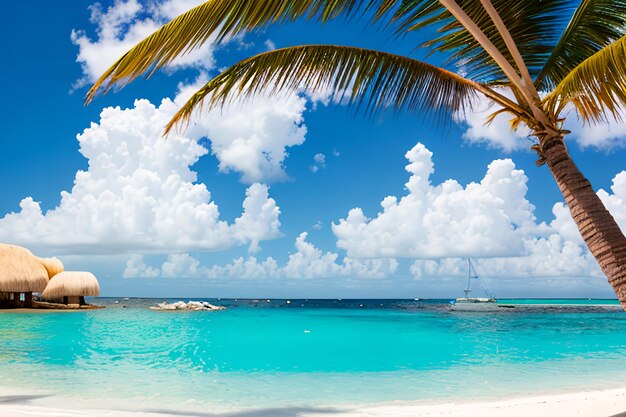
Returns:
point(596, 225)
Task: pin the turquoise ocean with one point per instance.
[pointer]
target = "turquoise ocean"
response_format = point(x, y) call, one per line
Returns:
point(308, 353)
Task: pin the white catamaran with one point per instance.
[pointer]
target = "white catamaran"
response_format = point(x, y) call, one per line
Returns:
point(468, 303)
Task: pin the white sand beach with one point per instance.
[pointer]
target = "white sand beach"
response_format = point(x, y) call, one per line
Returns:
point(602, 403)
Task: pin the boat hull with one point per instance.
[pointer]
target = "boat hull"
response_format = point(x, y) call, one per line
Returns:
point(474, 304)
point(475, 308)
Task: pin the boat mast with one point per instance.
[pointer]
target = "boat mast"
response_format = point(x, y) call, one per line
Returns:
point(468, 290)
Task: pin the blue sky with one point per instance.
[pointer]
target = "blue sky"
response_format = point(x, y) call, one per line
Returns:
point(360, 161)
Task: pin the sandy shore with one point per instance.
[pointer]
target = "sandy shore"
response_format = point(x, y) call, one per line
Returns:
point(588, 404)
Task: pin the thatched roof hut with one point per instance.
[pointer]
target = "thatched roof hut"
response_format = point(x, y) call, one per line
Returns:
point(72, 284)
point(20, 271)
point(52, 265)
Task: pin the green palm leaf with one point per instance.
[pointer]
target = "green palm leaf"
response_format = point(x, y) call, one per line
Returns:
point(594, 25)
point(376, 79)
point(221, 19)
point(596, 87)
point(531, 23)
point(534, 25)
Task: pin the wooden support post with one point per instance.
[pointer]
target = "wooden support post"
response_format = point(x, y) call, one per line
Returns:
point(28, 300)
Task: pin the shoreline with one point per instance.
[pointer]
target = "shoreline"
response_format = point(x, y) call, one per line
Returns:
point(598, 403)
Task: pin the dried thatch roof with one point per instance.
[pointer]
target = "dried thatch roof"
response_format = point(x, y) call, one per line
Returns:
point(20, 271)
point(52, 265)
point(72, 283)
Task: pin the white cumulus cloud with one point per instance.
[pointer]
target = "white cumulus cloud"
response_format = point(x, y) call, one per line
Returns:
point(139, 193)
point(432, 221)
point(550, 256)
point(435, 226)
point(602, 136)
point(607, 135)
point(136, 267)
point(251, 136)
point(307, 261)
point(438, 225)
point(497, 134)
point(319, 162)
point(124, 24)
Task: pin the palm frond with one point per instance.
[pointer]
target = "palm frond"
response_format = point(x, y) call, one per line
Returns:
point(594, 25)
point(219, 19)
point(596, 87)
point(534, 26)
point(375, 79)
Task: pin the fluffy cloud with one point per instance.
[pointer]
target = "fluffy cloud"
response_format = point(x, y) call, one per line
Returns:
point(252, 136)
point(136, 267)
point(140, 194)
point(310, 262)
point(307, 262)
point(439, 224)
point(270, 45)
point(125, 23)
point(498, 134)
point(491, 220)
point(433, 221)
point(551, 256)
point(601, 136)
point(319, 162)
point(616, 202)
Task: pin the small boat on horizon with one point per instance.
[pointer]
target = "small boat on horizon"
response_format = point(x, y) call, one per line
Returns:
point(468, 303)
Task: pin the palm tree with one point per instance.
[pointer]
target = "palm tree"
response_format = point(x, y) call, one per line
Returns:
point(544, 52)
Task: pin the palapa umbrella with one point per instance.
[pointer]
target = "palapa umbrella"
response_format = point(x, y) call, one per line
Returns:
point(72, 284)
point(52, 265)
point(20, 270)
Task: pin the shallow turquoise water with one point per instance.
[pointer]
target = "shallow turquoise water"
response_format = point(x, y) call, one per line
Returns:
point(306, 353)
point(559, 301)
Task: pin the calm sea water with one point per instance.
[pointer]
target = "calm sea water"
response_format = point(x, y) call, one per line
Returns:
point(308, 353)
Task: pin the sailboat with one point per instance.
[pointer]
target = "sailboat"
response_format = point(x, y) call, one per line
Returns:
point(468, 303)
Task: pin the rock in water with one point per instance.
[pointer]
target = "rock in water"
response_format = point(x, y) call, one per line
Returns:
point(189, 306)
